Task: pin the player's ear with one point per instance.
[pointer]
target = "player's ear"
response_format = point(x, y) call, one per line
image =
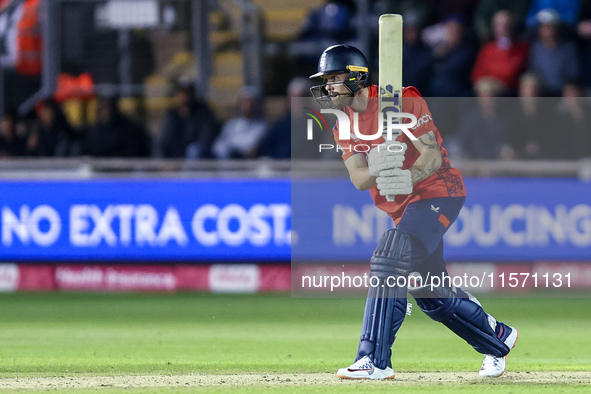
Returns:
point(361, 79)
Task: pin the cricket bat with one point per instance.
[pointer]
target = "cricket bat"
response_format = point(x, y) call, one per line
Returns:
point(390, 70)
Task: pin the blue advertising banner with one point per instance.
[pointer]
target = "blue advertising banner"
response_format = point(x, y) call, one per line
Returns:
point(503, 220)
point(252, 220)
point(523, 219)
point(145, 220)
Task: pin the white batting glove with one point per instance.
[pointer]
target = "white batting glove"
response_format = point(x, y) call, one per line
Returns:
point(394, 182)
point(385, 157)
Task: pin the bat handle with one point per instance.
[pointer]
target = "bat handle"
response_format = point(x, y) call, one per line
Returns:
point(390, 198)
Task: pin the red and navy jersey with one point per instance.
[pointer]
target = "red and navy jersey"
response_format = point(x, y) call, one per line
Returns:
point(446, 182)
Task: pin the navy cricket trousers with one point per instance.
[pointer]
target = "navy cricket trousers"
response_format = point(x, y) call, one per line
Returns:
point(425, 221)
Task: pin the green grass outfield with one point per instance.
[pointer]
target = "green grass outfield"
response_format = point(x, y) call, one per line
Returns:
point(272, 337)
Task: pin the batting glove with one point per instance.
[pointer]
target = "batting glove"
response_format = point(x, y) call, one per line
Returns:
point(385, 157)
point(394, 182)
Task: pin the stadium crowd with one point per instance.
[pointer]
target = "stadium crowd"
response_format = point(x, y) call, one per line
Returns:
point(516, 74)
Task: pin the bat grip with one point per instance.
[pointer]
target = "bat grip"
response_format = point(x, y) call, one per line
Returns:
point(390, 198)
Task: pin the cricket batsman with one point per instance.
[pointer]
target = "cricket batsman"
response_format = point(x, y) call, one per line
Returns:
point(427, 194)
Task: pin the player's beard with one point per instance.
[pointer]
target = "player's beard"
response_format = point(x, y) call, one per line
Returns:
point(340, 101)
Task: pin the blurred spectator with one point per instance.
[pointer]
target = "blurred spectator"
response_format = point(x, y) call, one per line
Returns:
point(424, 8)
point(113, 135)
point(330, 22)
point(571, 139)
point(483, 129)
point(530, 119)
point(554, 61)
point(453, 62)
point(11, 144)
point(418, 58)
point(487, 9)
point(22, 132)
point(276, 143)
point(451, 8)
point(584, 32)
point(189, 129)
point(54, 136)
point(567, 11)
point(503, 59)
point(240, 136)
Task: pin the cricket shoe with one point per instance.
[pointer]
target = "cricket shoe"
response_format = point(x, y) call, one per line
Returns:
point(493, 367)
point(364, 369)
